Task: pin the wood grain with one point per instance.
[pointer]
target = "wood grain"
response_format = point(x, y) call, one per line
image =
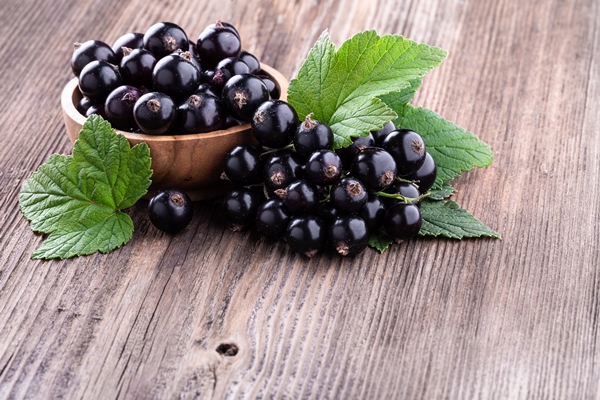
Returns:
point(211, 313)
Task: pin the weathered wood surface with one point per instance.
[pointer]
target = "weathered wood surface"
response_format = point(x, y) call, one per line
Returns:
point(214, 314)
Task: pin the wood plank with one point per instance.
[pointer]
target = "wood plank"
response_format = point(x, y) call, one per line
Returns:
point(213, 313)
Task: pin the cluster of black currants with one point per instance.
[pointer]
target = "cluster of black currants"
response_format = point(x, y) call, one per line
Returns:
point(293, 186)
point(160, 82)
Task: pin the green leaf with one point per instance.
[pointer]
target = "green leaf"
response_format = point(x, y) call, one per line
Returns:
point(444, 192)
point(78, 200)
point(454, 149)
point(402, 97)
point(380, 241)
point(341, 88)
point(448, 219)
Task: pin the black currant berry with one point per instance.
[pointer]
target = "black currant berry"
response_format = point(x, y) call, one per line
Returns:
point(301, 197)
point(312, 135)
point(208, 89)
point(406, 189)
point(164, 38)
point(136, 67)
point(96, 109)
point(274, 91)
point(323, 167)
point(200, 113)
point(349, 195)
point(373, 213)
point(347, 154)
point(225, 69)
point(408, 149)
point(85, 103)
point(349, 235)
point(170, 210)
point(272, 218)
point(218, 41)
point(243, 94)
point(131, 40)
point(176, 75)
point(119, 107)
point(91, 50)
point(243, 165)
point(403, 221)
point(281, 168)
point(98, 78)
point(380, 135)
point(240, 206)
point(155, 113)
point(375, 168)
point(251, 61)
point(274, 123)
point(425, 176)
point(306, 235)
point(327, 211)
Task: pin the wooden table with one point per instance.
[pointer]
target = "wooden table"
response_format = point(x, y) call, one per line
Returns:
point(211, 313)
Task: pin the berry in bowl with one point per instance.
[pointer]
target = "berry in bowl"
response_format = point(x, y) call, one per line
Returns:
point(191, 102)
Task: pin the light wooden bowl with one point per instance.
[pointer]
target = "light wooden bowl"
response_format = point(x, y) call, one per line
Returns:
point(192, 163)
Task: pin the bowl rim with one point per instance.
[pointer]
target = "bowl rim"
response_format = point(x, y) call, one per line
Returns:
point(71, 93)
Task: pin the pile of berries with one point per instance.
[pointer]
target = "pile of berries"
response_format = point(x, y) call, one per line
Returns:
point(160, 82)
point(293, 186)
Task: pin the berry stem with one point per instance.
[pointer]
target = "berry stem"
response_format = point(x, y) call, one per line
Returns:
point(398, 196)
point(288, 147)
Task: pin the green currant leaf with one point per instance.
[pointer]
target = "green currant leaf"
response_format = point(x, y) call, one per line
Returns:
point(380, 241)
point(448, 219)
point(454, 149)
point(444, 192)
point(341, 87)
point(78, 200)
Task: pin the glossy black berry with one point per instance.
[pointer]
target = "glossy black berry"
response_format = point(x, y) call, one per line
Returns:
point(243, 165)
point(327, 211)
point(272, 218)
point(98, 78)
point(155, 113)
point(170, 210)
point(91, 50)
point(274, 123)
point(176, 76)
point(96, 109)
point(348, 235)
point(312, 135)
point(136, 67)
point(208, 89)
point(408, 149)
point(251, 61)
point(243, 94)
point(425, 176)
point(218, 41)
point(323, 167)
point(301, 197)
point(380, 135)
point(225, 69)
point(274, 91)
point(406, 189)
point(130, 40)
point(85, 103)
point(306, 234)
point(164, 38)
point(349, 195)
point(240, 206)
point(119, 107)
point(200, 113)
point(375, 168)
point(403, 221)
point(281, 168)
point(373, 213)
point(347, 154)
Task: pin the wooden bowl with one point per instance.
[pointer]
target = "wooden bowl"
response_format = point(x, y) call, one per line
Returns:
point(193, 162)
